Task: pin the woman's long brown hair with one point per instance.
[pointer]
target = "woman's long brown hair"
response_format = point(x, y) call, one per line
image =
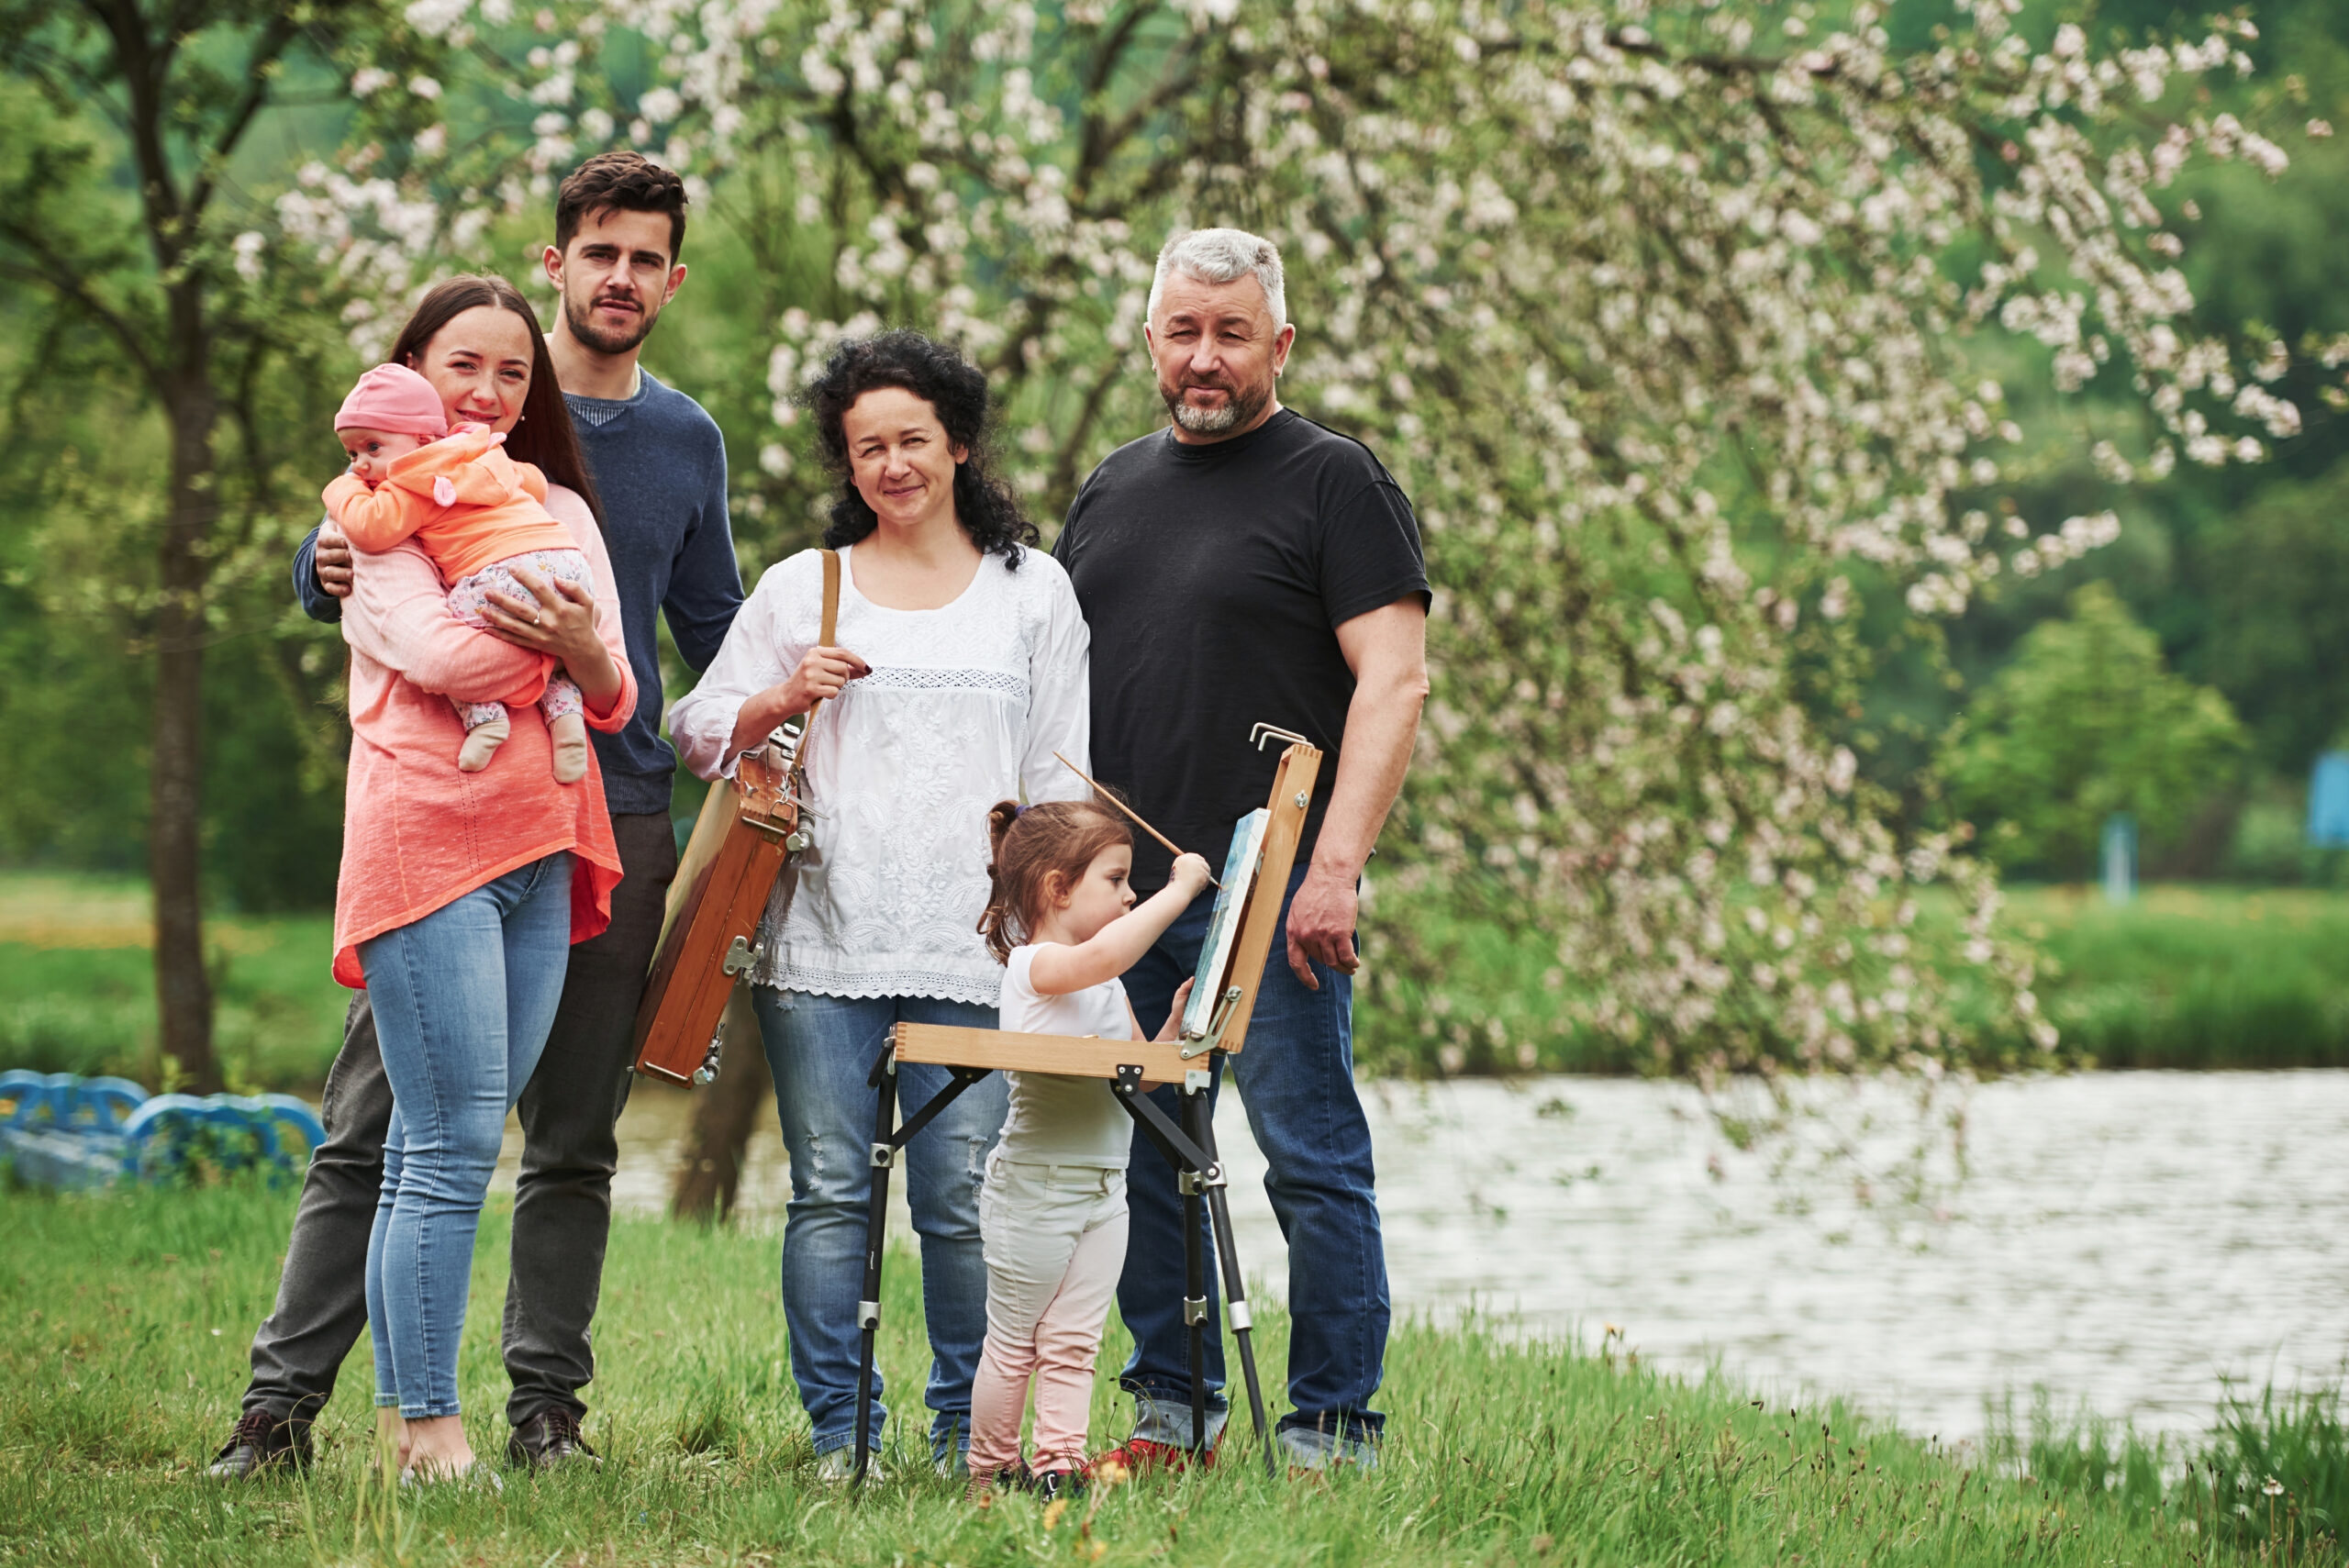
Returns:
point(544, 435)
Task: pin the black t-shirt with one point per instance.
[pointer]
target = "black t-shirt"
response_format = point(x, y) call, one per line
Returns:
point(1214, 578)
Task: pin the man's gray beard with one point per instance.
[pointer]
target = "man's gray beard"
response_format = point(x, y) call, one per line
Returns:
point(1239, 409)
point(584, 328)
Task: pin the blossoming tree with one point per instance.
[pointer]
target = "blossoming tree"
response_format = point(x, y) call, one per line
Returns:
point(1664, 316)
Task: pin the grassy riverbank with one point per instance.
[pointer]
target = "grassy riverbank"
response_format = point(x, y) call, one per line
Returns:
point(124, 1322)
point(77, 985)
point(2192, 976)
point(2186, 977)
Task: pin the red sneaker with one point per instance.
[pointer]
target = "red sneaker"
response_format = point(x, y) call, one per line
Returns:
point(1136, 1455)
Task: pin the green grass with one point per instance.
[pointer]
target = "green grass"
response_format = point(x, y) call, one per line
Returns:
point(2191, 976)
point(124, 1322)
point(2273, 1476)
point(77, 986)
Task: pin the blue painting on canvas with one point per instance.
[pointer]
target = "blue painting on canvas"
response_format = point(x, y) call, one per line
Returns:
point(1223, 924)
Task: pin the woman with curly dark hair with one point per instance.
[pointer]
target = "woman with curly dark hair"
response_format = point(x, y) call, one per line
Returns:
point(958, 669)
point(957, 393)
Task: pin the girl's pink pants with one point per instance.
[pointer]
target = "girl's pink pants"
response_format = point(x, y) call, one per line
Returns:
point(1055, 1240)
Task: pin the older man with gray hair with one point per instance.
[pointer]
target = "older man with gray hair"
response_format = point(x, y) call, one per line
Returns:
point(1243, 564)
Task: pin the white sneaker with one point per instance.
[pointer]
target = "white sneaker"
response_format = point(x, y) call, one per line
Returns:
point(1306, 1449)
point(838, 1467)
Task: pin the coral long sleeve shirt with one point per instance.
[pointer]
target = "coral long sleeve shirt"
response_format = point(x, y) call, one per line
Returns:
point(461, 497)
point(417, 834)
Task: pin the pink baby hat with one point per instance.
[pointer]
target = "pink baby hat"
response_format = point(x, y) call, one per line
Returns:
point(395, 398)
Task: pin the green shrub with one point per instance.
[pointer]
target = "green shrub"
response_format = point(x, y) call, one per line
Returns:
point(2085, 721)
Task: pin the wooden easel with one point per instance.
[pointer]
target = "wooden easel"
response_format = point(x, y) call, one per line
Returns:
point(1241, 934)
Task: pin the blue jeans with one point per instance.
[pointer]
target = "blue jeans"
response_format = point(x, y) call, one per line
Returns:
point(463, 999)
point(820, 1048)
point(1295, 1077)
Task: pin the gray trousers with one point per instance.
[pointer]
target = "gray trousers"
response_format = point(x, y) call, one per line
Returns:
point(562, 1204)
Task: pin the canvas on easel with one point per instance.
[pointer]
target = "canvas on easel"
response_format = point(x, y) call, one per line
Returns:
point(1223, 924)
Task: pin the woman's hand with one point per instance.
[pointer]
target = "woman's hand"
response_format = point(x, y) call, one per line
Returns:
point(822, 672)
point(559, 619)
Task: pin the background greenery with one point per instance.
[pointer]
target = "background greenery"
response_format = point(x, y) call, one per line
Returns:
point(2235, 578)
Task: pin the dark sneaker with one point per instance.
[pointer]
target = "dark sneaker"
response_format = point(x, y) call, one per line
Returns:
point(1014, 1477)
point(1061, 1483)
point(550, 1439)
point(262, 1442)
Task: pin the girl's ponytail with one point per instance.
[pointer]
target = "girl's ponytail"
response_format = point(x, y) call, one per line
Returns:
point(1000, 817)
point(998, 921)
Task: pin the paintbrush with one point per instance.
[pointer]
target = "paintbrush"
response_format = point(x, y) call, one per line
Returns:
point(1171, 848)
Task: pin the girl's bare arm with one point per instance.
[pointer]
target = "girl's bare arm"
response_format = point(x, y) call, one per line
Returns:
point(1117, 947)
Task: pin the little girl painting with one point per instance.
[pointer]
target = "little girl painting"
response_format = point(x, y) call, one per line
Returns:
point(1052, 1212)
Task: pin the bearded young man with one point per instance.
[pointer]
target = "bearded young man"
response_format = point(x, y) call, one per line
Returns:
point(1247, 564)
point(660, 466)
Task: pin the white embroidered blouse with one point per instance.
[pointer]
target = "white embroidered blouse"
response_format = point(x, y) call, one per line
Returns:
point(964, 706)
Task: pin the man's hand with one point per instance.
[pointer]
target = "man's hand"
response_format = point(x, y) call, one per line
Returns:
point(1387, 650)
point(331, 561)
point(1321, 926)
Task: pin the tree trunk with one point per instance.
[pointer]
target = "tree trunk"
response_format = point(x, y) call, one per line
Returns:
point(709, 1165)
point(182, 989)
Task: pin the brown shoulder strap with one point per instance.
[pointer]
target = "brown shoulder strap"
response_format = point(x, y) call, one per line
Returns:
point(832, 596)
point(831, 629)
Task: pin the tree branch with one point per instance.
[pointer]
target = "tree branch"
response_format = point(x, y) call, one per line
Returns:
point(57, 274)
point(281, 32)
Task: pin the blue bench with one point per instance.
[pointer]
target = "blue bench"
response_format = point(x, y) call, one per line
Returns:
point(58, 1129)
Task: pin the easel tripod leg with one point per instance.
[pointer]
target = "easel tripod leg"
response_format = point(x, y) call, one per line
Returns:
point(876, 1228)
point(1190, 1161)
point(1195, 1284)
point(1235, 1290)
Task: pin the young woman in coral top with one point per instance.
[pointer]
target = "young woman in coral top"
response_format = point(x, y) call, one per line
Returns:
point(462, 892)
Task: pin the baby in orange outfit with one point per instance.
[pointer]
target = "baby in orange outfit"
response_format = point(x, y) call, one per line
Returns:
point(477, 514)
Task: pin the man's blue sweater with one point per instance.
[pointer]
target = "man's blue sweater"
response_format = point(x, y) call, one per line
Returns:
point(660, 465)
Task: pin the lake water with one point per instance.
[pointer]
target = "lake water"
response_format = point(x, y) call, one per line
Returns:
point(2126, 1241)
